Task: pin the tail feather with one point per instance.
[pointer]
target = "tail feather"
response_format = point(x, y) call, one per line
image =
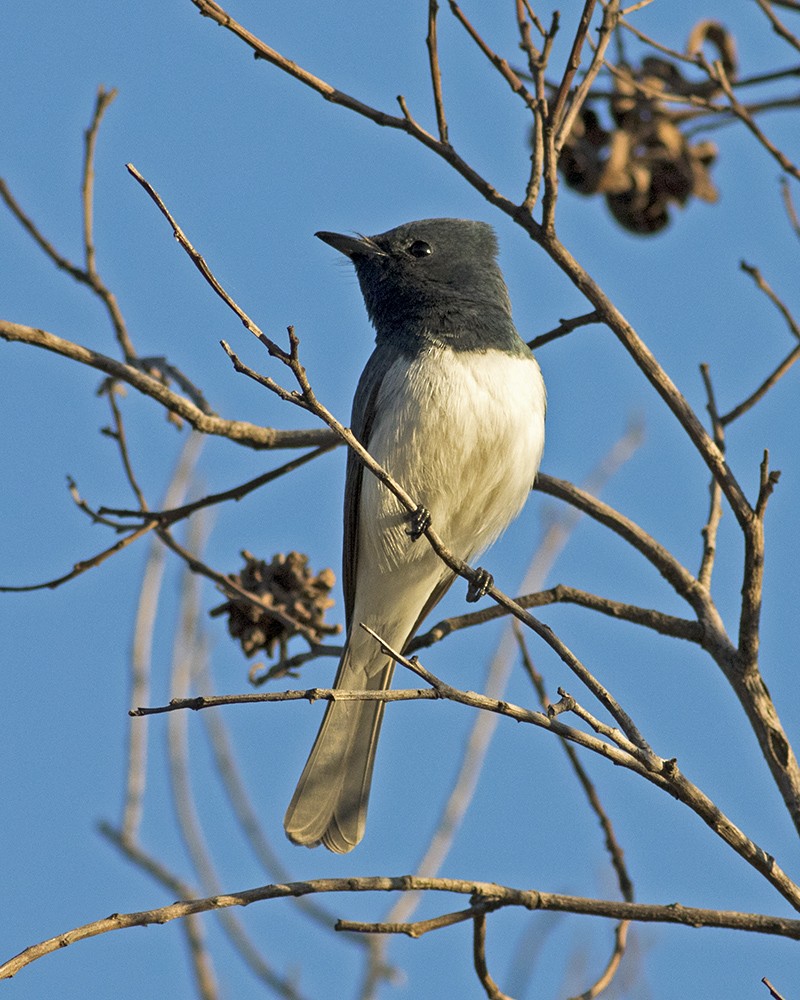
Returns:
point(329, 805)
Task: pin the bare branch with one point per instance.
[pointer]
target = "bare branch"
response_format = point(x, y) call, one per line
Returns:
point(563, 123)
point(564, 327)
point(119, 435)
point(492, 990)
point(170, 515)
point(573, 63)
point(772, 379)
point(211, 9)
point(196, 258)
point(711, 527)
point(717, 72)
point(679, 628)
point(766, 288)
point(772, 991)
point(238, 431)
point(104, 99)
point(668, 566)
point(778, 26)
point(413, 930)
point(436, 73)
point(656, 375)
point(87, 275)
point(637, 755)
point(503, 895)
point(500, 64)
point(83, 565)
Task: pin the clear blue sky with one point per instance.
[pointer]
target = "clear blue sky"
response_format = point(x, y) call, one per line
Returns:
point(252, 164)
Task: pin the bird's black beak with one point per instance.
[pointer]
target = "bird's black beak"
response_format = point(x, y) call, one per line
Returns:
point(352, 246)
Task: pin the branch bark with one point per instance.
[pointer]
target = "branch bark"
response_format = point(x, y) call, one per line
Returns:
point(502, 895)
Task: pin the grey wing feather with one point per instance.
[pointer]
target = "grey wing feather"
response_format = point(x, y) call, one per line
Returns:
point(361, 421)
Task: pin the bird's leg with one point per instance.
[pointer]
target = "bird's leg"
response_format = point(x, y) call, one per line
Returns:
point(479, 585)
point(420, 522)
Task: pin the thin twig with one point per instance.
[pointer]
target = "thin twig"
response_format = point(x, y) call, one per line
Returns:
point(490, 987)
point(772, 379)
point(678, 628)
point(119, 435)
point(501, 65)
point(711, 527)
point(717, 72)
point(767, 289)
point(104, 99)
point(679, 578)
point(413, 930)
point(84, 564)
point(170, 515)
point(573, 63)
point(564, 126)
point(784, 365)
point(772, 991)
point(436, 73)
point(778, 26)
point(88, 274)
point(564, 327)
point(196, 258)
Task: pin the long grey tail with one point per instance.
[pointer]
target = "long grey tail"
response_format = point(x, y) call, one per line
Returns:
point(329, 805)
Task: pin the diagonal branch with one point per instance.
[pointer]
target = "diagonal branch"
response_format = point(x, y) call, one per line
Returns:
point(82, 565)
point(239, 431)
point(404, 123)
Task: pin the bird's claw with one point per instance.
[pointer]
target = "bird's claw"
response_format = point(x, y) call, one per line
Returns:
point(480, 585)
point(420, 522)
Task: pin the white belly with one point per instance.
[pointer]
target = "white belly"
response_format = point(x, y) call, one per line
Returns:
point(463, 433)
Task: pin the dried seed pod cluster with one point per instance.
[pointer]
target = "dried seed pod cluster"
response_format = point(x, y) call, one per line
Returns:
point(287, 585)
point(642, 163)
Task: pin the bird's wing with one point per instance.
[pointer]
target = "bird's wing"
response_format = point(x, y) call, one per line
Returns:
point(361, 422)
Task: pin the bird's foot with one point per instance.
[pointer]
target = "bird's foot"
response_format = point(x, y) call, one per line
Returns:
point(480, 585)
point(420, 522)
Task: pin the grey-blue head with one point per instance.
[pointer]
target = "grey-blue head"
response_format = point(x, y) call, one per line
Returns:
point(436, 280)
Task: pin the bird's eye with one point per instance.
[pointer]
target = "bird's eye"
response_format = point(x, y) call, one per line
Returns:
point(419, 248)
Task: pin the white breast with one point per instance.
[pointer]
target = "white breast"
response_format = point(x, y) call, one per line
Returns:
point(463, 432)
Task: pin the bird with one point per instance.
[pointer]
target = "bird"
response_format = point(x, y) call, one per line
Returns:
point(452, 404)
